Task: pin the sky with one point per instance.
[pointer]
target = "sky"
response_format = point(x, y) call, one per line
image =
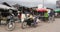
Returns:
point(31, 3)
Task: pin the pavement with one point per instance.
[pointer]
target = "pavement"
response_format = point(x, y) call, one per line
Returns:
point(42, 27)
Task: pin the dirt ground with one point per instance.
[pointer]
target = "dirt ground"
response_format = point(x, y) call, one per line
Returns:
point(42, 27)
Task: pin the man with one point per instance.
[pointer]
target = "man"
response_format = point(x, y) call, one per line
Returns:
point(52, 14)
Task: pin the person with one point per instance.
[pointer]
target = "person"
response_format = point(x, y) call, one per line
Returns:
point(19, 16)
point(22, 17)
point(0, 18)
point(52, 14)
point(46, 16)
point(29, 19)
point(56, 14)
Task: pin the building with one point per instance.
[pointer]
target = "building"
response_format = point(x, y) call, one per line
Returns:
point(58, 4)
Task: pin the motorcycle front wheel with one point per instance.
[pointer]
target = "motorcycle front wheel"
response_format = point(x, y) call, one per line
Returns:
point(24, 25)
point(11, 26)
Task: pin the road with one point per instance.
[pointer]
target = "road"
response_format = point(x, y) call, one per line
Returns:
point(42, 27)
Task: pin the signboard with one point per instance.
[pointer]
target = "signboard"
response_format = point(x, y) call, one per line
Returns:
point(40, 6)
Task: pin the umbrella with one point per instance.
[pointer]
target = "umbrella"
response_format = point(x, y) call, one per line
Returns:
point(57, 11)
point(41, 10)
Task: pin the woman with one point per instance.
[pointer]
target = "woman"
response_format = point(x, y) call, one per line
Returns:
point(46, 16)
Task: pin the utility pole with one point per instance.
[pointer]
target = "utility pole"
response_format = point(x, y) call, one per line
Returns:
point(43, 3)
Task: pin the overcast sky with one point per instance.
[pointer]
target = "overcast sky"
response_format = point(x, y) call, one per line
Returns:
point(30, 3)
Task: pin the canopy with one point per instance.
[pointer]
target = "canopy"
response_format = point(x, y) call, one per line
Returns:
point(57, 11)
point(41, 10)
